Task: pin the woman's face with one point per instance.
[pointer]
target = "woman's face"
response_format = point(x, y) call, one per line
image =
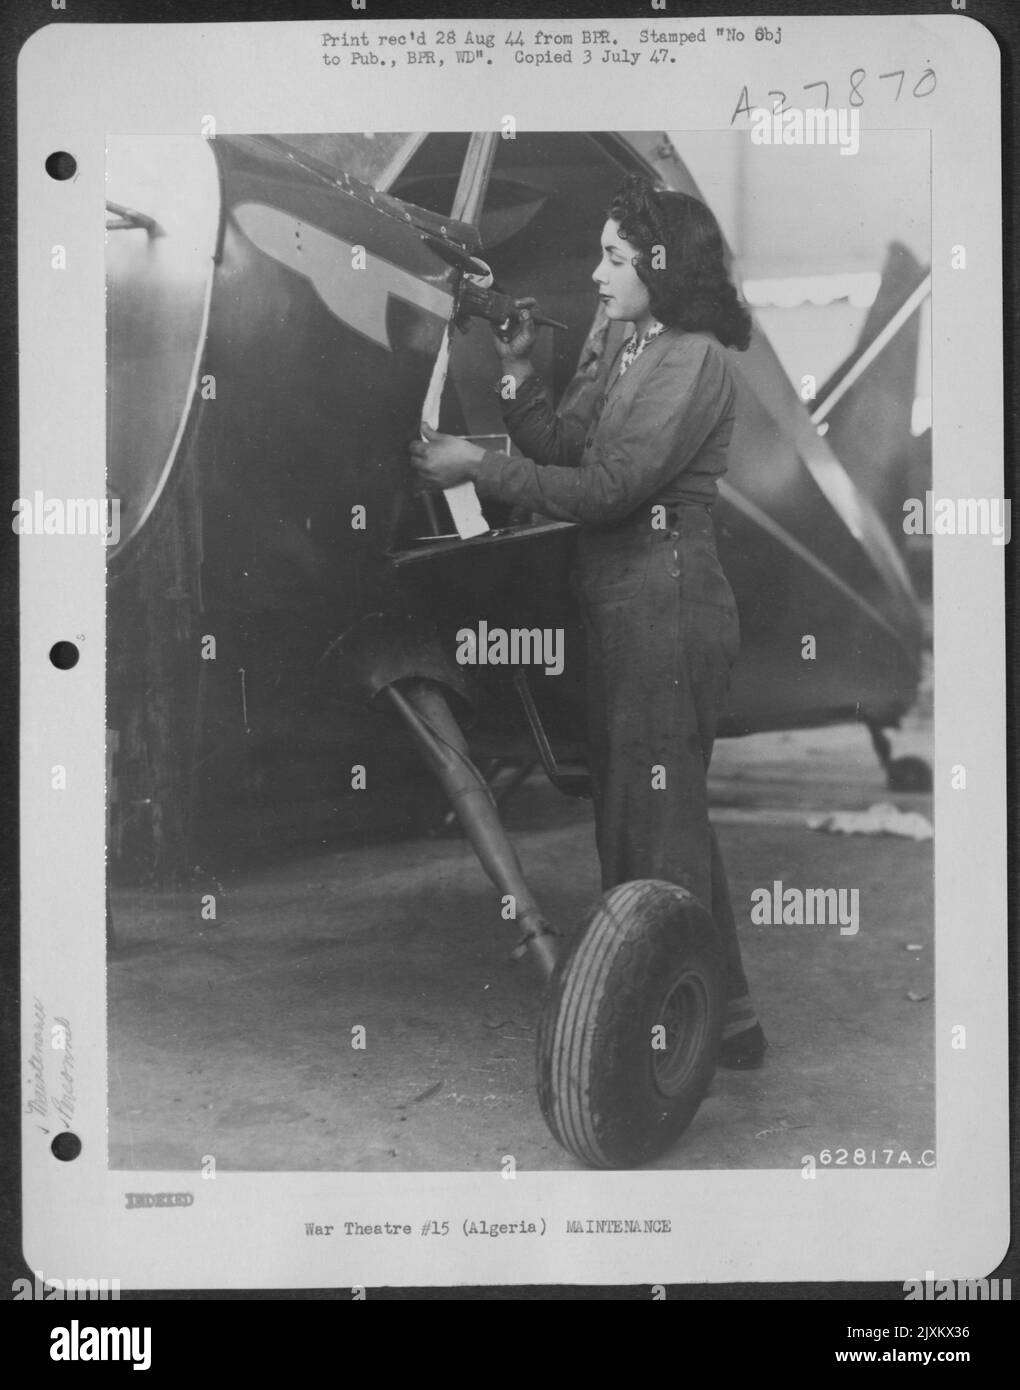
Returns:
point(620, 289)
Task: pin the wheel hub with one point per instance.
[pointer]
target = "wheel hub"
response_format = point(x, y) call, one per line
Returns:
point(683, 1013)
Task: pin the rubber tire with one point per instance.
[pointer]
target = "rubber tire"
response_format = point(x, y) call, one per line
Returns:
point(909, 774)
point(596, 1064)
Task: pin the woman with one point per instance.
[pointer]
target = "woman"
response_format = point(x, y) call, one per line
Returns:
point(637, 466)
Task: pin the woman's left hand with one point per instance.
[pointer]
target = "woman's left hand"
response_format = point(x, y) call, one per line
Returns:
point(443, 460)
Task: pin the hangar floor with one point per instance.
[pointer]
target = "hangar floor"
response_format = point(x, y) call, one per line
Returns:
point(233, 1037)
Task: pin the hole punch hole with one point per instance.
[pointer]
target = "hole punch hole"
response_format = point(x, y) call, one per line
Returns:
point(61, 165)
point(64, 655)
point(66, 1146)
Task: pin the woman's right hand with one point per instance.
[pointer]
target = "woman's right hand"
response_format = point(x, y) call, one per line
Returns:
point(517, 348)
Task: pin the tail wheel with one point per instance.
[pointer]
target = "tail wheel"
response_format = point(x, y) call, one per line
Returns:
point(630, 1028)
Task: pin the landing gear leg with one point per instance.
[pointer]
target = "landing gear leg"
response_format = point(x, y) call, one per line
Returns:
point(424, 709)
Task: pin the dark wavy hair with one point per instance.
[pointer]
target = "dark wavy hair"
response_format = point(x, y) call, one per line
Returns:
point(691, 289)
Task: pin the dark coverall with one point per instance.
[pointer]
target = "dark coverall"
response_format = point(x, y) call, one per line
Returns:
point(635, 460)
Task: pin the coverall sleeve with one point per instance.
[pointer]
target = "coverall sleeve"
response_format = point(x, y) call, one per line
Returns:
point(542, 434)
point(673, 412)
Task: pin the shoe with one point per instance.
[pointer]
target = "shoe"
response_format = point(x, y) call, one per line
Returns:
point(743, 1051)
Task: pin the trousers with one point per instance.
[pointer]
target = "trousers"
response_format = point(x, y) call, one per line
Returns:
point(663, 635)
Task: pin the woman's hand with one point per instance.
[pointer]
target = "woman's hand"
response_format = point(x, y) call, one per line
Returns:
point(517, 348)
point(443, 460)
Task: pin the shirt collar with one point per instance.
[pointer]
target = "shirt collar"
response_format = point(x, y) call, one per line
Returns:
point(634, 345)
point(653, 332)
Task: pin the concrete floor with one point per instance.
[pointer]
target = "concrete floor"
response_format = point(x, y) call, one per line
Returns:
point(233, 1037)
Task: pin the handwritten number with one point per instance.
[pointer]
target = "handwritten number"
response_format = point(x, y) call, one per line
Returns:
point(809, 85)
point(923, 87)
